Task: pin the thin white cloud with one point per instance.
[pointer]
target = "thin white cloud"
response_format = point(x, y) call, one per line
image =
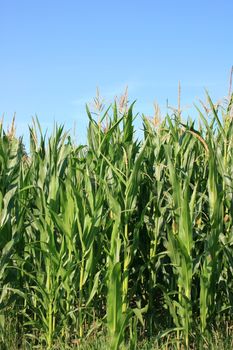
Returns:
point(108, 94)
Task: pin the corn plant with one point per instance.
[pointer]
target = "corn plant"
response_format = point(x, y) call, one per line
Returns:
point(124, 237)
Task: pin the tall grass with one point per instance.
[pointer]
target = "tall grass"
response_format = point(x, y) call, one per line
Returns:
point(124, 237)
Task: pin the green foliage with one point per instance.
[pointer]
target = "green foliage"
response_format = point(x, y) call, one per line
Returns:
point(128, 238)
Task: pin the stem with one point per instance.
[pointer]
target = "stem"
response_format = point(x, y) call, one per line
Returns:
point(50, 308)
point(125, 272)
point(80, 299)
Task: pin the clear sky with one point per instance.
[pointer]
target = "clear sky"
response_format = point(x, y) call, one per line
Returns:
point(53, 55)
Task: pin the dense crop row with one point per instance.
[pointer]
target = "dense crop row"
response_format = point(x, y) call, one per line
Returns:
point(130, 237)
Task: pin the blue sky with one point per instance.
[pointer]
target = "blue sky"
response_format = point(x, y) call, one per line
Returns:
point(53, 55)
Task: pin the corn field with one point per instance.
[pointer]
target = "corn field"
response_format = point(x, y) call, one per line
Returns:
point(126, 237)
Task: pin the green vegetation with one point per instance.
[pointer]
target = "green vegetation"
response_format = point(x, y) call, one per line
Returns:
point(120, 243)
